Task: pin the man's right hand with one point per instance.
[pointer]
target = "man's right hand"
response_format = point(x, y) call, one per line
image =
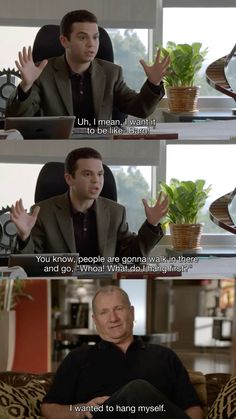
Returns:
point(97, 401)
point(23, 221)
point(29, 71)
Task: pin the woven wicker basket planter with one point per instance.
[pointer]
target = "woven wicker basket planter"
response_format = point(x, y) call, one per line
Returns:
point(186, 236)
point(183, 99)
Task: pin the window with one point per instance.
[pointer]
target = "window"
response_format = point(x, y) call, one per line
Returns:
point(214, 163)
point(208, 25)
point(133, 184)
point(130, 45)
point(12, 41)
point(20, 183)
point(137, 292)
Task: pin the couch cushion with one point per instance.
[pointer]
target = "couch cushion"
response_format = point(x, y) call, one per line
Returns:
point(199, 382)
point(224, 406)
point(21, 402)
point(214, 383)
point(18, 379)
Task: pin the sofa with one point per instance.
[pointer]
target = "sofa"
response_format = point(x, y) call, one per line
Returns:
point(21, 393)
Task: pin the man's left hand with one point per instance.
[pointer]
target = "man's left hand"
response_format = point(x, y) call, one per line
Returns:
point(155, 213)
point(157, 71)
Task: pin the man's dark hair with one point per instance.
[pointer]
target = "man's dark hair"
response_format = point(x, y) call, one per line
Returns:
point(79, 153)
point(73, 17)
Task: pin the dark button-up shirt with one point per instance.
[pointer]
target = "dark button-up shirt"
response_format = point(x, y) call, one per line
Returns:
point(85, 230)
point(82, 97)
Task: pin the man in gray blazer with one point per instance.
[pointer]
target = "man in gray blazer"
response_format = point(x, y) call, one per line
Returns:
point(78, 83)
point(82, 222)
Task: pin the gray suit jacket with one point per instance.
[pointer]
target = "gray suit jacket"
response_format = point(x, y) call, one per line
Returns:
point(54, 233)
point(51, 94)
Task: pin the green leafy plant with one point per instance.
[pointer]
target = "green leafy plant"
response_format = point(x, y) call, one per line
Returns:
point(185, 62)
point(186, 198)
point(11, 292)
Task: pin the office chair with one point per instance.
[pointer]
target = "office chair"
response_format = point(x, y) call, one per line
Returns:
point(47, 45)
point(51, 182)
point(216, 74)
point(219, 212)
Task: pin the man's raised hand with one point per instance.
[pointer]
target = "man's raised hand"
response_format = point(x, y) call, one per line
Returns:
point(23, 221)
point(29, 71)
point(159, 210)
point(157, 70)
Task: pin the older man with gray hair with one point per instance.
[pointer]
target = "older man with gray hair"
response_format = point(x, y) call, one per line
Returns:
point(121, 375)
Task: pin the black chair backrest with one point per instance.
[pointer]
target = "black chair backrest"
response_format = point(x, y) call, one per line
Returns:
point(51, 182)
point(47, 44)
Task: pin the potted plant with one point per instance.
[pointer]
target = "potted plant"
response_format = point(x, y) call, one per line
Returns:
point(186, 198)
point(185, 62)
point(11, 291)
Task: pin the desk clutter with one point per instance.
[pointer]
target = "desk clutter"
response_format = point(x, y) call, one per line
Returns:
point(41, 127)
point(10, 134)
